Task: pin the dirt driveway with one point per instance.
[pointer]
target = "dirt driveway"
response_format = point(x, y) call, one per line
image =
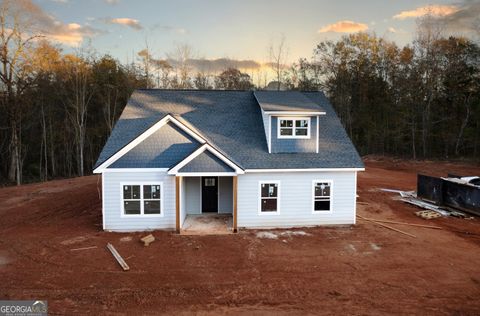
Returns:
point(362, 269)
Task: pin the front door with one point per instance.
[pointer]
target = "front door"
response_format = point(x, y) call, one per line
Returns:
point(209, 194)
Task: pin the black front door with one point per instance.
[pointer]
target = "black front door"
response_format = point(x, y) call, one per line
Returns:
point(209, 194)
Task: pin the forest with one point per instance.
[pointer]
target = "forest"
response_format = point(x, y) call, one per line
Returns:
point(57, 108)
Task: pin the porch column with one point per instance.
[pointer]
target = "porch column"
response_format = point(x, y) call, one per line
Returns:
point(235, 204)
point(177, 204)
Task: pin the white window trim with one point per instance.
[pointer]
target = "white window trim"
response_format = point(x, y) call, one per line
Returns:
point(280, 118)
point(260, 197)
point(141, 215)
point(331, 197)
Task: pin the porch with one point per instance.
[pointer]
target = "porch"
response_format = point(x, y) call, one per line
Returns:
point(205, 183)
point(207, 224)
point(206, 204)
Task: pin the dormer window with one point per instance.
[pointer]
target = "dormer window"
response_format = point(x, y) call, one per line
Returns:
point(294, 127)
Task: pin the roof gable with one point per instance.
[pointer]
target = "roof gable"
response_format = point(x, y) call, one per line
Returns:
point(116, 139)
point(206, 162)
point(209, 158)
point(163, 149)
point(286, 101)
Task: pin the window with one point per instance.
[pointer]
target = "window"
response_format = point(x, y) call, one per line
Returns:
point(322, 196)
point(269, 193)
point(209, 182)
point(131, 199)
point(294, 128)
point(142, 199)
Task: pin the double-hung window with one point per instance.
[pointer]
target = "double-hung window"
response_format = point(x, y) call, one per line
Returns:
point(293, 127)
point(142, 199)
point(322, 196)
point(269, 197)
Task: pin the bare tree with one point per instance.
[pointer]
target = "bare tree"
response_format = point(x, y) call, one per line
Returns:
point(146, 60)
point(15, 42)
point(79, 91)
point(182, 55)
point(164, 70)
point(278, 58)
point(429, 31)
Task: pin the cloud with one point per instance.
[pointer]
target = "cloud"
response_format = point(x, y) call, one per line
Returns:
point(168, 28)
point(218, 64)
point(434, 10)
point(60, 1)
point(392, 30)
point(134, 24)
point(344, 27)
point(465, 19)
point(71, 34)
point(112, 2)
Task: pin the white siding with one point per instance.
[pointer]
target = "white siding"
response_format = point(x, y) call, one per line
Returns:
point(296, 199)
point(225, 195)
point(113, 198)
point(192, 195)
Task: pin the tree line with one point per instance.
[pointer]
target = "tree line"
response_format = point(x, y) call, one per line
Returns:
point(58, 109)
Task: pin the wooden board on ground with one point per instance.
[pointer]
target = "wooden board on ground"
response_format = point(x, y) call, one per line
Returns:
point(428, 214)
point(117, 256)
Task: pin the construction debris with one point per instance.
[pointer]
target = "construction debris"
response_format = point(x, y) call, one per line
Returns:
point(117, 256)
point(427, 206)
point(84, 248)
point(411, 198)
point(147, 240)
point(427, 214)
point(386, 226)
point(462, 193)
point(401, 223)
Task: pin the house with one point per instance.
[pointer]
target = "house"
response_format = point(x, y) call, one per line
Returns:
point(267, 158)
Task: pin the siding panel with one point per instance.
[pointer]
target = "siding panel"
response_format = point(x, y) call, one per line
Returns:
point(113, 199)
point(294, 145)
point(225, 198)
point(296, 199)
point(192, 195)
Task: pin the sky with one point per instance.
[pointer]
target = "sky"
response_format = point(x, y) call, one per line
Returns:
point(238, 30)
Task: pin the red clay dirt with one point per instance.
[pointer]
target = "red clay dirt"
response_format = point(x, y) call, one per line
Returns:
point(360, 269)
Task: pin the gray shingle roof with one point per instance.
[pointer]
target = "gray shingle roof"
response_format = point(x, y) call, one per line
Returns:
point(231, 122)
point(162, 149)
point(206, 162)
point(291, 101)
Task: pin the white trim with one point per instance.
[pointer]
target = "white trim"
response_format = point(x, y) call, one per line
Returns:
point(206, 174)
point(331, 197)
point(355, 201)
point(294, 113)
point(260, 197)
point(269, 134)
point(294, 127)
point(318, 132)
point(141, 184)
point(303, 170)
point(136, 170)
point(103, 201)
point(175, 170)
point(143, 136)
